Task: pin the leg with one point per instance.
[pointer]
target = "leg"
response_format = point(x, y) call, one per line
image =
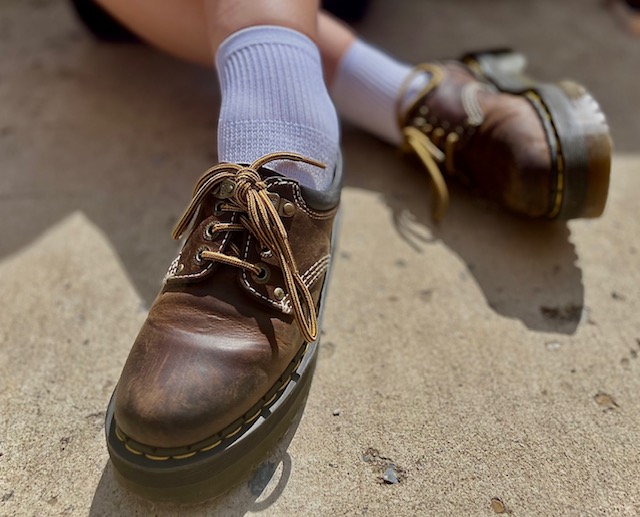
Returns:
point(180, 27)
point(257, 81)
point(366, 85)
point(223, 363)
point(193, 29)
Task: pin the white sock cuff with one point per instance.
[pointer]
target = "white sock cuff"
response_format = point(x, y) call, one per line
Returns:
point(265, 34)
point(366, 89)
point(274, 98)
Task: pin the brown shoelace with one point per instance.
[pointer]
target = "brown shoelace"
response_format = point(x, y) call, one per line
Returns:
point(244, 192)
point(422, 144)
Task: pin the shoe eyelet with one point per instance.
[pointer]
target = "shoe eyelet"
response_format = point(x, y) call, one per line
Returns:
point(264, 252)
point(198, 256)
point(225, 189)
point(217, 208)
point(279, 293)
point(287, 209)
point(264, 275)
point(209, 232)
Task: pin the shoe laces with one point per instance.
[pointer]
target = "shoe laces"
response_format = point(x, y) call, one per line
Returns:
point(244, 192)
point(421, 144)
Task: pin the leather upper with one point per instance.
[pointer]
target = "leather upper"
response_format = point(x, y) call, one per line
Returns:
point(217, 338)
point(501, 144)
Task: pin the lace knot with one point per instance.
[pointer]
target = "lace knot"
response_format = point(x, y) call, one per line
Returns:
point(247, 194)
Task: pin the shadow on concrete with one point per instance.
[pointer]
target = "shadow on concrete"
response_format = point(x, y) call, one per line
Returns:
point(526, 269)
point(134, 129)
point(255, 494)
point(123, 136)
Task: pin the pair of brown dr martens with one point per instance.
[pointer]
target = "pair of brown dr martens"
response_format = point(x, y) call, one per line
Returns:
point(223, 363)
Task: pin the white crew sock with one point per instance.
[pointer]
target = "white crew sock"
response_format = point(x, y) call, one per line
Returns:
point(366, 89)
point(274, 99)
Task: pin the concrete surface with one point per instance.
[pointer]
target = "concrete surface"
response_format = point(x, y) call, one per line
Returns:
point(493, 360)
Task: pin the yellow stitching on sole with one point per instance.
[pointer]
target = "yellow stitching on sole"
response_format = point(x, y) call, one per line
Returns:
point(130, 449)
point(184, 456)
point(557, 204)
point(268, 402)
point(233, 433)
point(210, 447)
point(122, 437)
point(285, 384)
point(156, 458)
point(252, 418)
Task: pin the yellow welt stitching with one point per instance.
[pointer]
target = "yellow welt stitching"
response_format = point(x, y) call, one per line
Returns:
point(130, 449)
point(156, 458)
point(210, 447)
point(252, 418)
point(268, 402)
point(248, 420)
point(560, 160)
point(285, 384)
point(183, 456)
point(233, 433)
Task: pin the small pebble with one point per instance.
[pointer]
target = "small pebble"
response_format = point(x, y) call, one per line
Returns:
point(390, 476)
point(605, 400)
point(497, 505)
point(336, 412)
point(553, 345)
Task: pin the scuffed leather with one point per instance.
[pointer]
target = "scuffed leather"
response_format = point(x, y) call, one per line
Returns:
point(215, 341)
point(507, 157)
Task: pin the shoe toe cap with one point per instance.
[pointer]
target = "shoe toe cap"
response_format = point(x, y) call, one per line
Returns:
point(176, 399)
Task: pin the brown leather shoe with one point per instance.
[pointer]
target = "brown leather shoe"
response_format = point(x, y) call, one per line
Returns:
point(539, 150)
point(224, 361)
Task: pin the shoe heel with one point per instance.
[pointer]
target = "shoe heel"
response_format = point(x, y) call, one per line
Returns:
point(504, 68)
point(585, 146)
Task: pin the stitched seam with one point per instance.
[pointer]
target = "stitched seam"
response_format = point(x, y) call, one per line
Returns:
point(300, 200)
point(317, 275)
point(559, 180)
point(297, 194)
point(310, 276)
point(317, 265)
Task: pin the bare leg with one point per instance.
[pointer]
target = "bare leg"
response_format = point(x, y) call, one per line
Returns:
point(181, 27)
point(334, 39)
point(228, 16)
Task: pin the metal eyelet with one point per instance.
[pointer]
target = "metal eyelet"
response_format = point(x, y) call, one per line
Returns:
point(279, 293)
point(209, 232)
point(198, 256)
point(217, 208)
point(287, 209)
point(264, 252)
point(264, 275)
point(225, 189)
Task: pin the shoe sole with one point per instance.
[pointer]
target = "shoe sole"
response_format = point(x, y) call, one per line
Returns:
point(206, 473)
point(576, 128)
